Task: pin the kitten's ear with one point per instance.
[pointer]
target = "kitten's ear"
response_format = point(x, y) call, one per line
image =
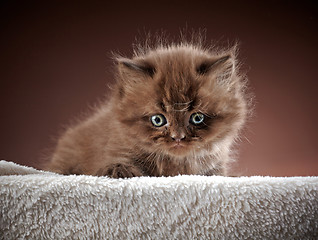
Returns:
point(221, 68)
point(220, 65)
point(135, 68)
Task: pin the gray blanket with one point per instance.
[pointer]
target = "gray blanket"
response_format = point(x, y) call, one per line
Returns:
point(43, 205)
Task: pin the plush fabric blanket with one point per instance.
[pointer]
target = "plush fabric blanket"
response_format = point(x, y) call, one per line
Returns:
point(43, 205)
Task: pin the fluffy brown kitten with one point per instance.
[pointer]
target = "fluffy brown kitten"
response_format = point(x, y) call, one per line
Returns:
point(175, 109)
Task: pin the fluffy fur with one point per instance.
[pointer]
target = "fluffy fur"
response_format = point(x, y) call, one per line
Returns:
point(167, 85)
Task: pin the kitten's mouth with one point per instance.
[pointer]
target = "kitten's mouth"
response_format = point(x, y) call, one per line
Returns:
point(178, 145)
point(178, 148)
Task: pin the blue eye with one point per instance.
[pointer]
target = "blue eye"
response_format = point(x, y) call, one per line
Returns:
point(158, 120)
point(197, 118)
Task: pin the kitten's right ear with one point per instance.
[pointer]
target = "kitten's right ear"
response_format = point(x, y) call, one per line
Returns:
point(135, 68)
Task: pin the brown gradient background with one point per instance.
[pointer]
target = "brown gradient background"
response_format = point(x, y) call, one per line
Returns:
point(55, 63)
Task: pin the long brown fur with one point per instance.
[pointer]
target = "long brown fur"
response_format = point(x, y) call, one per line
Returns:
point(176, 81)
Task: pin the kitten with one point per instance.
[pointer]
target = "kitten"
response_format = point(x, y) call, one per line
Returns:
point(175, 109)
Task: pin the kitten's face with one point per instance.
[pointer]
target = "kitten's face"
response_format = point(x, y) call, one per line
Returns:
point(175, 103)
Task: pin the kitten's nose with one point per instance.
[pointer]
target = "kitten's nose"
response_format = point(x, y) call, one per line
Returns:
point(178, 137)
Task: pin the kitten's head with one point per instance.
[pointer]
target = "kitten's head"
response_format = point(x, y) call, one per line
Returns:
point(181, 99)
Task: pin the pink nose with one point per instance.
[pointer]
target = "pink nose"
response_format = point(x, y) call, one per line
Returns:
point(178, 138)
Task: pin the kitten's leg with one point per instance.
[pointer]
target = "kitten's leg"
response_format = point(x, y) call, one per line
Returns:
point(218, 170)
point(120, 170)
point(215, 172)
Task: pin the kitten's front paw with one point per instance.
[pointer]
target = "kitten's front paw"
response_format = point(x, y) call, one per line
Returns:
point(120, 170)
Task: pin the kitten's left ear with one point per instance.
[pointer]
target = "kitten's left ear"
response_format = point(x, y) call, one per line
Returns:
point(214, 64)
point(223, 67)
point(135, 68)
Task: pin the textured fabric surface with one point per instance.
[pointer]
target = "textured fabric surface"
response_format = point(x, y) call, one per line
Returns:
point(42, 205)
